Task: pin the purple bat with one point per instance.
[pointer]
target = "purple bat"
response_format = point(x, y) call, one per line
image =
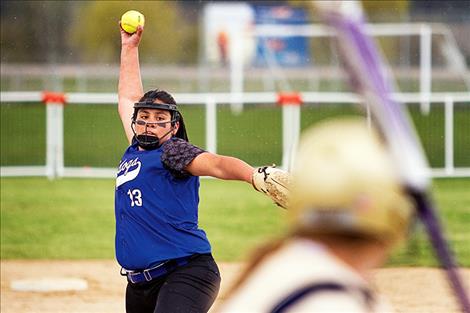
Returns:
point(365, 68)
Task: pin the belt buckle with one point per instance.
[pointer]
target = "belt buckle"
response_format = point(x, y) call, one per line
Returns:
point(147, 275)
point(130, 277)
point(128, 274)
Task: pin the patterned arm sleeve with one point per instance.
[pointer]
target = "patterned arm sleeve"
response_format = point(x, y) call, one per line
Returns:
point(177, 154)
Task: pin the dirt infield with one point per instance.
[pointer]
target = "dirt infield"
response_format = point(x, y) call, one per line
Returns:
point(409, 289)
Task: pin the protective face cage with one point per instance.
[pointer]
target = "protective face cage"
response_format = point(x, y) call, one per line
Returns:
point(149, 142)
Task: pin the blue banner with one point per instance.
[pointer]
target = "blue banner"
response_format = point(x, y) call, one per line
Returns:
point(283, 51)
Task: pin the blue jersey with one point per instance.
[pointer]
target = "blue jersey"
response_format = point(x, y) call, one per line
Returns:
point(156, 212)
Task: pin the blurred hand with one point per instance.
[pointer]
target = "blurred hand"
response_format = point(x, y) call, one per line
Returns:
point(131, 40)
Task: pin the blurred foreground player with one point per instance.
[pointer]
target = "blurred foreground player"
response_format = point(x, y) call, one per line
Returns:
point(347, 212)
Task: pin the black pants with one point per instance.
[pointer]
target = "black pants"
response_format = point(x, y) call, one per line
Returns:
point(188, 289)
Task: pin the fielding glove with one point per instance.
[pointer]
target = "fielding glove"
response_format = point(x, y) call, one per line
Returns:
point(272, 182)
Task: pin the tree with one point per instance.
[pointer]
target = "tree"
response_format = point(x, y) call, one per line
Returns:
point(95, 31)
point(34, 31)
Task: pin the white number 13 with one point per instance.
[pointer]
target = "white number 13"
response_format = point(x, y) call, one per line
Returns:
point(135, 196)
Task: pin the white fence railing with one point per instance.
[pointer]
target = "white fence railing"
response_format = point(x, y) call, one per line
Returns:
point(54, 166)
point(448, 46)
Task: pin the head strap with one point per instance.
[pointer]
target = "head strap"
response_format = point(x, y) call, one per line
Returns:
point(150, 104)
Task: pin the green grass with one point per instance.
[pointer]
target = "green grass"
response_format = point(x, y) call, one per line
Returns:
point(22, 135)
point(431, 132)
point(93, 134)
point(56, 219)
point(452, 198)
point(74, 219)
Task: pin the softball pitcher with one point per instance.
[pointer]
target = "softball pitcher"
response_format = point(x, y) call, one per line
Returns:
point(165, 256)
point(347, 212)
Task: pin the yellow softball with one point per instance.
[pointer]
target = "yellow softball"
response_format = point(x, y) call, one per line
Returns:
point(130, 20)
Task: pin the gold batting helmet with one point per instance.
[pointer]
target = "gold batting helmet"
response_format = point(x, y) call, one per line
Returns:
point(344, 182)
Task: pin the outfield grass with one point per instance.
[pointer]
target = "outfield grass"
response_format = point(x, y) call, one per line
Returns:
point(74, 219)
point(452, 200)
point(94, 137)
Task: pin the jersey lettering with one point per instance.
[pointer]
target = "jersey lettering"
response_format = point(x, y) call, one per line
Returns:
point(127, 171)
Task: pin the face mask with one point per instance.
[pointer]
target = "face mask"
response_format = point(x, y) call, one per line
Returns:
point(150, 142)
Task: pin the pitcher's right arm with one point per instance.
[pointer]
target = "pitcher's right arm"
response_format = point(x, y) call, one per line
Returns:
point(130, 88)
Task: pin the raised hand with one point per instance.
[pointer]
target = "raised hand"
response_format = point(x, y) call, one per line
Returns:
point(132, 40)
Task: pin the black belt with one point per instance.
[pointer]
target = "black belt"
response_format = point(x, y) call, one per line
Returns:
point(159, 270)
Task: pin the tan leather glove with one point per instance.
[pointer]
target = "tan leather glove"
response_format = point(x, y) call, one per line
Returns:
point(273, 182)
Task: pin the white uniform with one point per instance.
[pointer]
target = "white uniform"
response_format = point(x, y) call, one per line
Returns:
point(301, 263)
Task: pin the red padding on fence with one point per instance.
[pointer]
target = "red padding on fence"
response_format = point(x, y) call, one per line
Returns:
point(289, 98)
point(53, 97)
